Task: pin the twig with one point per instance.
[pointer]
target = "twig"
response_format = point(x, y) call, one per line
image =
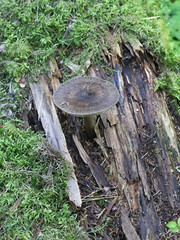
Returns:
point(149, 18)
point(98, 198)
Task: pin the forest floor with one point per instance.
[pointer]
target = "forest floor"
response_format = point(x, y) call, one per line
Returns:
point(34, 202)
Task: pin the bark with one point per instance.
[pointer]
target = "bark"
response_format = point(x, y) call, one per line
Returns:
point(140, 132)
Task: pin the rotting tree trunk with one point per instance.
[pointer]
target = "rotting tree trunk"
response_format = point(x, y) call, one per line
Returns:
point(141, 135)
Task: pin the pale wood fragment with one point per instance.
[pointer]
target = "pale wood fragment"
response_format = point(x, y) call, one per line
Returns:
point(42, 97)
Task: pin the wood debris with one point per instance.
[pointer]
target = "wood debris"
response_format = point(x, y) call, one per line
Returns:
point(95, 169)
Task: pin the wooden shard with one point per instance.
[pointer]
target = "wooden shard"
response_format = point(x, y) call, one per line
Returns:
point(42, 97)
point(96, 171)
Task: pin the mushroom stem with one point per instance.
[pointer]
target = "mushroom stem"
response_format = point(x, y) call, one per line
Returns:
point(89, 126)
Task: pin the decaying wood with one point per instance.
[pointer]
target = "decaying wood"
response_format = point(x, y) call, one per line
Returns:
point(141, 135)
point(95, 169)
point(42, 96)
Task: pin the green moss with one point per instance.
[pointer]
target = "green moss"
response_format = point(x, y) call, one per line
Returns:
point(33, 184)
point(32, 31)
point(170, 81)
point(165, 141)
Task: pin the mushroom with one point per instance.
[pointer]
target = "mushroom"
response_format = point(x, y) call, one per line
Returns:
point(86, 97)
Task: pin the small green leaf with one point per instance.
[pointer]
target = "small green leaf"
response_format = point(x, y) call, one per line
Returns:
point(178, 221)
point(171, 224)
point(174, 230)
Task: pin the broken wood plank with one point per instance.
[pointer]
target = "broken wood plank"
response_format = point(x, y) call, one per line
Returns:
point(47, 114)
point(96, 171)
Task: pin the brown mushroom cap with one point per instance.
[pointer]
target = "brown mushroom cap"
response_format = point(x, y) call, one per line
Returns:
point(83, 96)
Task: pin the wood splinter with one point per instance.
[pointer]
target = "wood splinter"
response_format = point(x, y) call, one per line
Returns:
point(96, 171)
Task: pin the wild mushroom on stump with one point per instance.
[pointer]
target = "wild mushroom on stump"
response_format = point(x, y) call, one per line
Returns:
point(86, 97)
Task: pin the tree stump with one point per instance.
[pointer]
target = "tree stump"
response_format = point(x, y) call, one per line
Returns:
point(141, 135)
